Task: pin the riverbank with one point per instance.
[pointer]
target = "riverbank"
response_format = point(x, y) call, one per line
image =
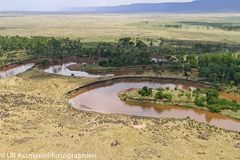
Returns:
point(44, 61)
point(17, 63)
point(185, 98)
point(87, 65)
point(96, 69)
point(139, 78)
point(36, 118)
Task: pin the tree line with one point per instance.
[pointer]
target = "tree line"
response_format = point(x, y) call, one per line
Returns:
point(216, 67)
point(127, 51)
point(41, 46)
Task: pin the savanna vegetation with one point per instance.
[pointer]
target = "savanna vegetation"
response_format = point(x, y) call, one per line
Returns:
point(200, 98)
point(34, 108)
point(216, 62)
point(110, 27)
point(223, 26)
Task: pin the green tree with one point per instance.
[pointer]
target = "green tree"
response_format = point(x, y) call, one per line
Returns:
point(212, 96)
point(237, 77)
point(159, 95)
point(200, 101)
point(145, 91)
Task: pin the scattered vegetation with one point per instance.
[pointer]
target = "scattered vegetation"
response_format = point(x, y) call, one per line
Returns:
point(216, 104)
point(200, 98)
point(173, 26)
point(223, 26)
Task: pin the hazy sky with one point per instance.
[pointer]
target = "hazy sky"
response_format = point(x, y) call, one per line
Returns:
point(44, 5)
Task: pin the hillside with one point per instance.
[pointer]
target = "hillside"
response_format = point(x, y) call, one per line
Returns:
point(196, 6)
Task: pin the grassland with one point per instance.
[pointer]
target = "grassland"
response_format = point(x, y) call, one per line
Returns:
point(110, 27)
point(36, 118)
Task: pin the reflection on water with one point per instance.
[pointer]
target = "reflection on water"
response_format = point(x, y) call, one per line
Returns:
point(63, 70)
point(15, 70)
point(106, 100)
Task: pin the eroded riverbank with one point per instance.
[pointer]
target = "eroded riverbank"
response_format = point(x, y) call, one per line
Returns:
point(102, 96)
point(36, 118)
point(14, 70)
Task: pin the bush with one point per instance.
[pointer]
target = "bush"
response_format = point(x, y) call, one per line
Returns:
point(168, 97)
point(145, 91)
point(235, 107)
point(214, 108)
point(142, 93)
point(159, 95)
point(212, 96)
point(200, 101)
point(160, 89)
point(212, 101)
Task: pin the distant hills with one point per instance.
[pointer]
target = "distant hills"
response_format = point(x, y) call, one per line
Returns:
point(197, 6)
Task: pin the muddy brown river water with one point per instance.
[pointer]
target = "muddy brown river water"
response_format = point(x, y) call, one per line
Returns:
point(105, 100)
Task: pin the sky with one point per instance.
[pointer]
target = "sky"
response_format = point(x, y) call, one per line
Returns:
point(54, 5)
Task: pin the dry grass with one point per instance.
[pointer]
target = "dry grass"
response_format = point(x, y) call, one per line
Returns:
point(36, 118)
point(109, 27)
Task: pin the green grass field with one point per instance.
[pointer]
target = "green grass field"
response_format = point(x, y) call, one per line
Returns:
point(110, 27)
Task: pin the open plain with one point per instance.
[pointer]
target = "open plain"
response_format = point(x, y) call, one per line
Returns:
point(111, 27)
point(36, 117)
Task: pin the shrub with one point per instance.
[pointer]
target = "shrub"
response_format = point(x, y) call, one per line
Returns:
point(235, 107)
point(168, 97)
point(145, 91)
point(159, 95)
point(160, 89)
point(214, 108)
point(212, 101)
point(200, 101)
point(142, 93)
point(212, 96)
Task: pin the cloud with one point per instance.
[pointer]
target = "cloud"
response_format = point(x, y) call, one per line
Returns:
point(51, 5)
